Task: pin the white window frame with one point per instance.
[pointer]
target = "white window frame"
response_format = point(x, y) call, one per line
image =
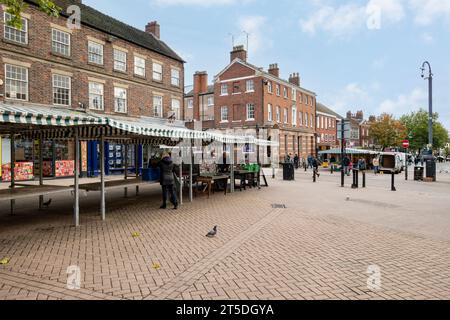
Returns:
point(158, 109)
point(300, 118)
point(120, 60)
point(278, 114)
point(158, 69)
point(250, 86)
point(224, 89)
point(139, 66)
point(250, 109)
point(93, 53)
point(294, 116)
point(190, 103)
point(269, 87)
point(118, 98)
point(306, 119)
point(278, 90)
point(294, 94)
point(223, 113)
point(285, 116)
point(54, 76)
point(100, 94)
point(175, 77)
point(62, 44)
point(176, 108)
point(14, 32)
point(210, 102)
point(9, 80)
point(285, 93)
point(270, 113)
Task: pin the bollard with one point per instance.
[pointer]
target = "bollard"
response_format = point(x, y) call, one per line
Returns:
point(364, 179)
point(393, 182)
point(332, 169)
point(406, 172)
point(342, 178)
point(355, 179)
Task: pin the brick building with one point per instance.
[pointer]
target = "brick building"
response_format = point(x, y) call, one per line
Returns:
point(199, 102)
point(105, 67)
point(326, 128)
point(246, 96)
point(360, 130)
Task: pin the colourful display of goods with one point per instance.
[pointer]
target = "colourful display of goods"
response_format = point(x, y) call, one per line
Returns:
point(23, 171)
point(64, 168)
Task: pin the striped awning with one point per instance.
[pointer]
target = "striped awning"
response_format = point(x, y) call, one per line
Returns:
point(45, 116)
point(349, 151)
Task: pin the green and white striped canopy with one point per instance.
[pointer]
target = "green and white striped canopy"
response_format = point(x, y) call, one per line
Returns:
point(45, 116)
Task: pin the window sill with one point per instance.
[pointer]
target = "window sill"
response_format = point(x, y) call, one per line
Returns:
point(19, 44)
point(96, 65)
point(140, 77)
point(224, 122)
point(60, 55)
point(119, 112)
point(236, 93)
point(121, 72)
point(250, 120)
point(251, 91)
point(157, 81)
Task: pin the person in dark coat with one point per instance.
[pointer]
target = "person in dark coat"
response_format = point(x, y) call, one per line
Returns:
point(315, 165)
point(296, 161)
point(168, 181)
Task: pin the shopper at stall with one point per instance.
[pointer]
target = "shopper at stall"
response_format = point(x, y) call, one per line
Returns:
point(376, 165)
point(168, 181)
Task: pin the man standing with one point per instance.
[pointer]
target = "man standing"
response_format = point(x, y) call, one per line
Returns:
point(346, 164)
point(376, 165)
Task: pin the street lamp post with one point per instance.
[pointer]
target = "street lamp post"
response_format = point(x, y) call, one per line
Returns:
point(430, 101)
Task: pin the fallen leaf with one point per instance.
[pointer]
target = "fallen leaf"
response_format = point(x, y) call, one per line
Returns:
point(156, 266)
point(4, 261)
point(136, 234)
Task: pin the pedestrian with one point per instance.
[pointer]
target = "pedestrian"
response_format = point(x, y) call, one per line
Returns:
point(310, 160)
point(346, 164)
point(350, 167)
point(168, 181)
point(315, 165)
point(296, 161)
point(376, 165)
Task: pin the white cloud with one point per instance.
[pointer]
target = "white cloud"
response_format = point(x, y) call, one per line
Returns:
point(404, 103)
point(353, 96)
point(427, 38)
point(256, 27)
point(350, 18)
point(429, 11)
point(201, 3)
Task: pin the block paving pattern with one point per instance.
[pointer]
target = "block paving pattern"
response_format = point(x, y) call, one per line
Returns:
point(260, 252)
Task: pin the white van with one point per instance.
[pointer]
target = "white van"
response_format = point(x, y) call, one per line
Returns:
point(392, 162)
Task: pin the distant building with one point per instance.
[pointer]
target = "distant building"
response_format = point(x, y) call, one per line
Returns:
point(360, 130)
point(199, 102)
point(326, 128)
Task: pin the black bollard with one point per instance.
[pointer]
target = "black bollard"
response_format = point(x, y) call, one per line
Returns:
point(342, 177)
point(393, 182)
point(354, 179)
point(364, 179)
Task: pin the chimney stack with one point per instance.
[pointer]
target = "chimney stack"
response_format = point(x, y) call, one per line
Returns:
point(274, 70)
point(295, 79)
point(200, 86)
point(154, 29)
point(238, 52)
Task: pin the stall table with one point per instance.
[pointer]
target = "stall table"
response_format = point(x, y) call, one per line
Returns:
point(210, 180)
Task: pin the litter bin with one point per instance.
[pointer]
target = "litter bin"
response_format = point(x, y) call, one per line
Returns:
point(418, 173)
point(431, 169)
point(288, 171)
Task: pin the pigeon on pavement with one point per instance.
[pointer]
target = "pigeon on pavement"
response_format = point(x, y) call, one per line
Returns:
point(212, 233)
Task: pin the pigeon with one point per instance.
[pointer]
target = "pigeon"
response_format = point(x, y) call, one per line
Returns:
point(48, 203)
point(348, 198)
point(212, 233)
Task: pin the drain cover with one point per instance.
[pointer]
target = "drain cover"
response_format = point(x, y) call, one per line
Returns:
point(279, 206)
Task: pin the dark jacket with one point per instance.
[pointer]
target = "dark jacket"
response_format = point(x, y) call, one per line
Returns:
point(167, 170)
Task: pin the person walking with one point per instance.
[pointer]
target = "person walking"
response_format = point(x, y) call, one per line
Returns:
point(310, 160)
point(296, 161)
point(346, 164)
point(315, 165)
point(376, 165)
point(168, 181)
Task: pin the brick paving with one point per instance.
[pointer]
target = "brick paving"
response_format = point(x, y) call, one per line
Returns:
point(318, 248)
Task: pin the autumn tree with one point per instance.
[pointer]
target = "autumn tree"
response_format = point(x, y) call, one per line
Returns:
point(386, 131)
point(16, 7)
point(416, 124)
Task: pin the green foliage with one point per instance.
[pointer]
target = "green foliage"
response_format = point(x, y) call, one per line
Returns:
point(386, 131)
point(416, 124)
point(16, 7)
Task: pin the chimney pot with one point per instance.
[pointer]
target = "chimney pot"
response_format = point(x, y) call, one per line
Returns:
point(238, 53)
point(274, 70)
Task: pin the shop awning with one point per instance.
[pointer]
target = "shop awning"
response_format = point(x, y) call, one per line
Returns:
point(41, 115)
point(349, 151)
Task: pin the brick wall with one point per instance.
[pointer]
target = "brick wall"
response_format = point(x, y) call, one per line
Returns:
point(39, 54)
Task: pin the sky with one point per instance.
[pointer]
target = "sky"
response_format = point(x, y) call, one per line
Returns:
point(355, 54)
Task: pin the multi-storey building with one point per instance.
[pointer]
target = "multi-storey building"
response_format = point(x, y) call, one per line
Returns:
point(105, 67)
point(247, 97)
point(360, 130)
point(366, 141)
point(199, 102)
point(326, 128)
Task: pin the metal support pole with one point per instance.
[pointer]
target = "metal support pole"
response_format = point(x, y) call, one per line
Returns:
point(41, 170)
point(342, 153)
point(181, 180)
point(136, 165)
point(13, 168)
point(102, 178)
point(76, 205)
point(126, 169)
point(393, 182)
point(406, 165)
point(191, 185)
point(232, 182)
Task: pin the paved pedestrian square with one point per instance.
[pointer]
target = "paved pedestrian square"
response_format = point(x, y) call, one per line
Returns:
point(321, 246)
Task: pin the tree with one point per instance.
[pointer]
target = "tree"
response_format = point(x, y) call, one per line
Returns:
point(386, 131)
point(16, 7)
point(416, 124)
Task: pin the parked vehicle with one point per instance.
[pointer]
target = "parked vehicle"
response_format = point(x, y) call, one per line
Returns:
point(392, 162)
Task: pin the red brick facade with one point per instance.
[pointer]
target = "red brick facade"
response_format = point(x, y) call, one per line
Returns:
point(41, 62)
point(296, 136)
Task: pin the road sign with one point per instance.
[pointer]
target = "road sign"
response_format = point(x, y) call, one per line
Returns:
point(347, 130)
point(406, 144)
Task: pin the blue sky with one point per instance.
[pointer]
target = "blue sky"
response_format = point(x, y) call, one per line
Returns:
point(355, 54)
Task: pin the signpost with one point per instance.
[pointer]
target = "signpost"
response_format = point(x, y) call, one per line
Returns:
point(343, 134)
point(406, 146)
